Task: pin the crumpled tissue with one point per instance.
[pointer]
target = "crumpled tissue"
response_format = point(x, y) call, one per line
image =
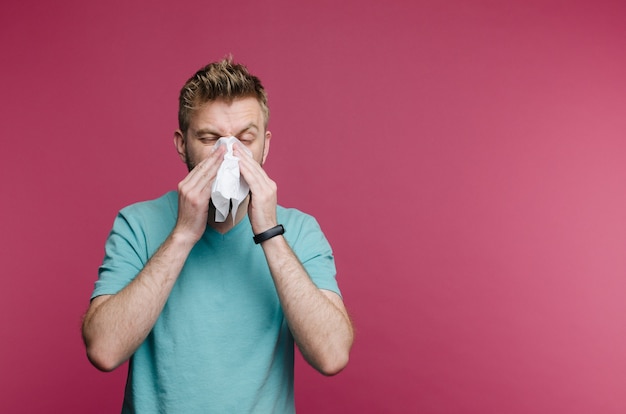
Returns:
point(229, 186)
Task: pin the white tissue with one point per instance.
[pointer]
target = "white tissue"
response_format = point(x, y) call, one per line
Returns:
point(228, 187)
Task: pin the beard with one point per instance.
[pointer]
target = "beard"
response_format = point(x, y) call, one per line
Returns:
point(190, 164)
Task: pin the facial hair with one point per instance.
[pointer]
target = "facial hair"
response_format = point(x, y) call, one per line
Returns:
point(191, 165)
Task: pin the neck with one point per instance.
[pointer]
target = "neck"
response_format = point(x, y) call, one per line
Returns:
point(229, 223)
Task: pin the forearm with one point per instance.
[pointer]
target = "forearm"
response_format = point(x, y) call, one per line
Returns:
point(115, 326)
point(317, 319)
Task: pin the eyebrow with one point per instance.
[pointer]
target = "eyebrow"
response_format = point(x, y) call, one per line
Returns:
point(206, 131)
point(209, 131)
point(251, 125)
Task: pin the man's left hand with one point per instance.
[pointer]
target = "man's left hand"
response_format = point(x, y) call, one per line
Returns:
point(263, 192)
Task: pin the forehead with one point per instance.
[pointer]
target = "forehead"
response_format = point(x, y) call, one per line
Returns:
point(222, 115)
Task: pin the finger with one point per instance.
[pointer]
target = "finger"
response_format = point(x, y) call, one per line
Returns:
point(254, 175)
point(205, 171)
point(261, 185)
point(241, 152)
point(250, 168)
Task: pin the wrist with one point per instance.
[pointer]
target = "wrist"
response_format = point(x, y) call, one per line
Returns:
point(183, 239)
point(259, 226)
point(278, 230)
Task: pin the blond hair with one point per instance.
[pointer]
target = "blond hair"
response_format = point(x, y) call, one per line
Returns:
point(219, 80)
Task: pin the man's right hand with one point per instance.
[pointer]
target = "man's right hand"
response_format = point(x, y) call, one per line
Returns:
point(116, 325)
point(194, 193)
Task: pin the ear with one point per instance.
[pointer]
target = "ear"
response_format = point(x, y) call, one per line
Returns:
point(179, 142)
point(266, 147)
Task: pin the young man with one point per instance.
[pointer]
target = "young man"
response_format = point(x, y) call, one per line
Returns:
point(208, 315)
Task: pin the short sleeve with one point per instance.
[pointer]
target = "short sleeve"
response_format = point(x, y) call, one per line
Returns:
point(125, 256)
point(315, 253)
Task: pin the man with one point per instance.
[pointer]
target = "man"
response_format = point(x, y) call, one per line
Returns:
point(206, 314)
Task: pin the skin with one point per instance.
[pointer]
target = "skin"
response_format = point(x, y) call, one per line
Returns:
point(116, 325)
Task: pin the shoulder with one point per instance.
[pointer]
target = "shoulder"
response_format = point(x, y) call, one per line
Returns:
point(145, 224)
point(295, 217)
point(155, 208)
point(152, 217)
point(300, 227)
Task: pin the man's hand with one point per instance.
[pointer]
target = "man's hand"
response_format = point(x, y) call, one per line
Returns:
point(263, 199)
point(194, 193)
point(317, 318)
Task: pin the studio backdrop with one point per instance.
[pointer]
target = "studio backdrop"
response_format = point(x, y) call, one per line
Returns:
point(466, 160)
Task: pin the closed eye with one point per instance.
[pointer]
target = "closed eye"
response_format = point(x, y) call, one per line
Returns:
point(210, 139)
point(247, 137)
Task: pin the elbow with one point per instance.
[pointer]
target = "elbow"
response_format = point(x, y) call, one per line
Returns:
point(333, 369)
point(103, 361)
point(99, 354)
point(100, 351)
point(334, 364)
point(336, 357)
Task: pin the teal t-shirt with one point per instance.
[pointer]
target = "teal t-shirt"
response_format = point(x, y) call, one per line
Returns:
point(221, 344)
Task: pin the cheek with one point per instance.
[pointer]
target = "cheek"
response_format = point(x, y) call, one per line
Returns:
point(256, 151)
point(259, 154)
point(196, 155)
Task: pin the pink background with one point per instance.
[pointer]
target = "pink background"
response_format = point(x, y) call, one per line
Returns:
point(467, 160)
